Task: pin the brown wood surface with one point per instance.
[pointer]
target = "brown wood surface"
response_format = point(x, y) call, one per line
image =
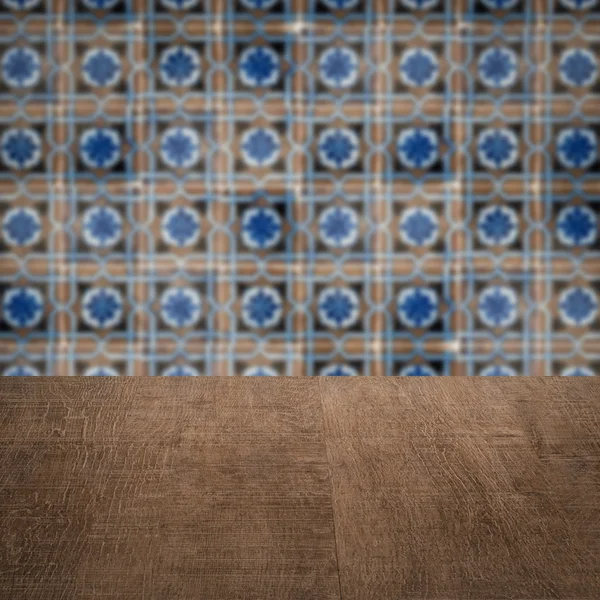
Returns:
point(309, 488)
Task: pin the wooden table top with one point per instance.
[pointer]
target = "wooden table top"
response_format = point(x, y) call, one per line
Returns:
point(299, 488)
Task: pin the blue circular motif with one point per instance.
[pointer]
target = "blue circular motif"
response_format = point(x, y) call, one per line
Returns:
point(577, 148)
point(498, 306)
point(338, 307)
point(417, 371)
point(180, 371)
point(577, 306)
point(21, 371)
point(419, 4)
point(259, 67)
point(338, 68)
point(101, 372)
point(498, 371)
point(23, 307)
point(179, 66)
point(21, 227)
point(338, 371)
point(260, 147)
point(100, 4)
point(340, 4)
point(21, 4)
point(338, 226)
point(262, 307)
point(101, 67)
point(419, 227)
point(500, 4)
point(100, 148)
point(21, 148)
point(180, 226)
point(102, 227)
point(419, 67)
point(261, 228)
point(180, 307)
point(578, 372)
point(260, 372)
point(418, 307)
point(497, 148)
point(578, 67)
point(577, 226)
point(259, 4)
point(498, 67)
point(180, 147)
point(21, 67)
point(579, 4)
point(418, 148)
point(338, 148)
point(102, 308)
point(497, 226)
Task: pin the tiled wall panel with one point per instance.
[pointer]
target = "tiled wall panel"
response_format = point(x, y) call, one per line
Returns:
point(299, 187)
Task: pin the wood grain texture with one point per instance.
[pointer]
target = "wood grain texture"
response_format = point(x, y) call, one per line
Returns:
point(150, 488)
point(460, 488)
point(309, 488)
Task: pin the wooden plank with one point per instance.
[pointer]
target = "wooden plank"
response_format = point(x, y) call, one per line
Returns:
point(212, 488)
point(465, 488)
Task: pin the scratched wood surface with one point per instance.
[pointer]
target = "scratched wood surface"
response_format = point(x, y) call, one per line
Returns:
point(309, 488)
point(156, 488)
point(465, 488)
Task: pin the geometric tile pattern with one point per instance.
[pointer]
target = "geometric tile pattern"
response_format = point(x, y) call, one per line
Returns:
point(299, 187)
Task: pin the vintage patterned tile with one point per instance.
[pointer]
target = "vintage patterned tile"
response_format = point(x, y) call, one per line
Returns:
point(299, 187)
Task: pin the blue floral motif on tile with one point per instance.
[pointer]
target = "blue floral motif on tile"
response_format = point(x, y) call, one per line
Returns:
point(101, 67)
point(22, 307)
point(262, 307)
point(338, 307)
point(21, 226)
point(180, 66)
point(259, 67)
point(180, 307)
point(21, 67)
